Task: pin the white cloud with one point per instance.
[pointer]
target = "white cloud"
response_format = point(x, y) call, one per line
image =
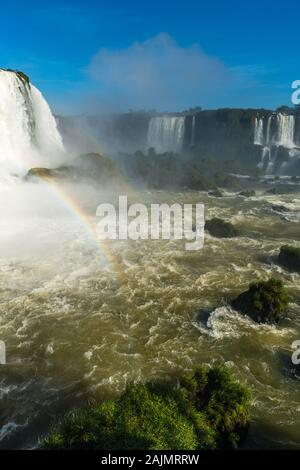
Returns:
point(158, 73)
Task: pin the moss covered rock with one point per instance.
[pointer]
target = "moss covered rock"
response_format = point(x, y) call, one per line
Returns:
point(23, 77)
point(220, 229)
point(264, 301)
point(289, 257)
point(209, 410)
point(42, 173)
point(20, 74)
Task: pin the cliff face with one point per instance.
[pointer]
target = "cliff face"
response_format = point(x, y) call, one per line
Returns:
point(224, 134)
point(257, 137)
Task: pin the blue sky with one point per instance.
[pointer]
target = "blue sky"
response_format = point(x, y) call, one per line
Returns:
point(91, 55)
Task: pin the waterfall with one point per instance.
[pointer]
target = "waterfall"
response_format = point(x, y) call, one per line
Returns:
point(193, 131)
point(28, 132)
point(268, 133)
point(259, 131)
point(277, 131)
point(265, 158)
point(166, 133)
point(285, 130)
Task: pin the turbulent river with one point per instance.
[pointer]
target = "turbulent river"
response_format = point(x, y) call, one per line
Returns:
point(77, 329)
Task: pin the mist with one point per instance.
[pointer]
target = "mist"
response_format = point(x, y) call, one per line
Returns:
point(157, 73)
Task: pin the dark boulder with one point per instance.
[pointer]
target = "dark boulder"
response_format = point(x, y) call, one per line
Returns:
point(289, 257)
point(220, 229)
point(264, 301)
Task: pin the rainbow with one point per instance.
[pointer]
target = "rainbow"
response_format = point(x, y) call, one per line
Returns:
point(72, 206)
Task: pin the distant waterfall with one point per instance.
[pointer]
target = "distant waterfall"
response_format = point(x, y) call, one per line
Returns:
point(285, 130)
point(273, 132)
point(193, 131)
point(259, 131)
point(28, 131)
point(265, 159)
point(166, 133)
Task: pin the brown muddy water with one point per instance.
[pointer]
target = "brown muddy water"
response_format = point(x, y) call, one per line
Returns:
point(77, 327)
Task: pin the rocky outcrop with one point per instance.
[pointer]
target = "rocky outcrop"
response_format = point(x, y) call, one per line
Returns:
point(220, 229)
point(268, 140)
point(264, 301)
point(289, 257)
point(92, 167)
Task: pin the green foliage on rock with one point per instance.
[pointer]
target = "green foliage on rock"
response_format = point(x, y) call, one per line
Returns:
point(289, 257)
point(208, 410)
point(20, 74)
point(264, 301)
point(220, 229)
point(224, 401)
point(23, 77)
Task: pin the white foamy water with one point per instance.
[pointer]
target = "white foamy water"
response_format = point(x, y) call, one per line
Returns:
point(28, 132)
point(79, 324)
point(77, 327)
point(166, 133)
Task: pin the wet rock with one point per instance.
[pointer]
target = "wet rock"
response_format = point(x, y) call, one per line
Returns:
point(215, 193)
point(247, 193)
point(289, 257)
point(220, 229)
point(264, 301)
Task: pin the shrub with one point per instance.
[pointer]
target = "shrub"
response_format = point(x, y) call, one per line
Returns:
point(264, 301)
point(141, 418)
point(208, 410)
point(225, 402)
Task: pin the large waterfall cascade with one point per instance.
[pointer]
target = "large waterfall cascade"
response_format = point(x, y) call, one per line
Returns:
point(166, 133)
point(28, 131)
point(274, 131)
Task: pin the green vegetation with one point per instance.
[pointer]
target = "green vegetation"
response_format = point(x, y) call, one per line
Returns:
point(289, 257)
point(264, 301)
point(208, 410)
point(20, 74)
point(23, 77)
point(220, 229)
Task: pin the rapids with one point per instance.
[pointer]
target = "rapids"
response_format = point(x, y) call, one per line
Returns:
point(78, 326)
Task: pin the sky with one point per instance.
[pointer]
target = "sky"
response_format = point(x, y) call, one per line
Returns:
point(98, 56)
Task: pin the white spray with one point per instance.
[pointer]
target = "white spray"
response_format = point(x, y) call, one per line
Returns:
point(28, 132)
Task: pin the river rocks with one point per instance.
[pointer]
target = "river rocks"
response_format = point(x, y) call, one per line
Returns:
point(215, 193)
point(220, 229)
point(264, 301)
point(289, 257)
point(42, 173)
point(91, 166)
point(247, 193)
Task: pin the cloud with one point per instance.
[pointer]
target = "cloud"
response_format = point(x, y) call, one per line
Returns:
point(158, 73)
